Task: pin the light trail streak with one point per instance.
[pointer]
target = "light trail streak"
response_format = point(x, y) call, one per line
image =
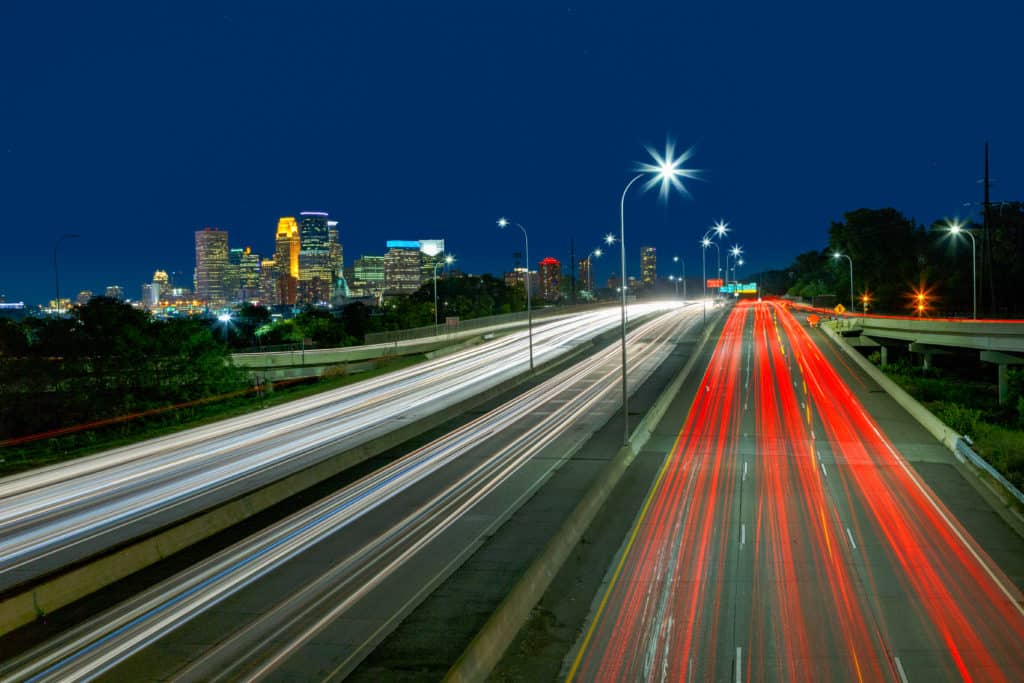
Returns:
point(101, 644)
point(61, 514)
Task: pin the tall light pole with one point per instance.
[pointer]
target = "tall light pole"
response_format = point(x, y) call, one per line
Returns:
point(447, 261)
point(682, 274)
point(590, 268)
point(666, 172)
point(735, 253)
point(502, 223)
point(956, 228)
point(56, 270)
point(838, 256)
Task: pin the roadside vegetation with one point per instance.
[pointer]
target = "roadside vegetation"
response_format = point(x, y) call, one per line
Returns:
point(971, 407)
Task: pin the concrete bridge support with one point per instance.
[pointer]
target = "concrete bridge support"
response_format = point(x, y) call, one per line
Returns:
point(1003, 361)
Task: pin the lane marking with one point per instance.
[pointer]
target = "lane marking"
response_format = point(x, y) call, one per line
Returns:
point(849, 534)
point(899, 669)
point(823, 470)
point(744, 470)
point(743, 534)
point(739, 664)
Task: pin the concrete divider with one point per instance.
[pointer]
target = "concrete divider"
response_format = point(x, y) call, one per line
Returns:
point(489, 645)
point(24, 607)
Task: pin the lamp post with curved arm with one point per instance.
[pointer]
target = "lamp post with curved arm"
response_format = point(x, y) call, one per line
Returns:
point(448, 260)
point(502, 223)
point(838, 256)
point(956, 228)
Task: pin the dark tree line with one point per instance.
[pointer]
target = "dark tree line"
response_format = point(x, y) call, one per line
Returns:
point(893, 258)
point(105, 360)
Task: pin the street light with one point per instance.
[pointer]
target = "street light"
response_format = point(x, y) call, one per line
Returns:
point(734, 252)
point(503, 223)
point(682, 275)
point(448, 260)
point(590, 269)
point(837, 256)
point(56, 271)
point(667, 172)
point(956, 228)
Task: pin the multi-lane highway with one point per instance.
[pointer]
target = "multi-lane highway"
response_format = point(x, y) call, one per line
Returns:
point(56, 516)
point(785, 538)
point(313, 594)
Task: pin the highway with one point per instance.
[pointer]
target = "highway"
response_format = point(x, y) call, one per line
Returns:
point(785, 538)
point(313, 594)
point(55, 516)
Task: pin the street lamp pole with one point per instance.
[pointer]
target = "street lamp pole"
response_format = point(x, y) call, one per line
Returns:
point(447, 260)
point(503, 222)
point(958, 229)
point(682, 275)
point(622, 252)
point(56, 270)
point(837, 255)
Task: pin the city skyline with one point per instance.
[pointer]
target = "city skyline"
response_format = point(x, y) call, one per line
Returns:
point(792, 122)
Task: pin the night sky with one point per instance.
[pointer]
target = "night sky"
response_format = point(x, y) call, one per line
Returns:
point(136, 125)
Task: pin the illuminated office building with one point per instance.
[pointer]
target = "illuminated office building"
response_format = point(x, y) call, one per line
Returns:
point(269, 283)
point(114, 292)
point(431, 254)
point(550, 271)
point(315, 275)
point(368, 276)
point(648, 267)
point(518, 277)
point(249, 276)
point(402, 267)
point(286, 261)
point(337, 254)
point(211, 266)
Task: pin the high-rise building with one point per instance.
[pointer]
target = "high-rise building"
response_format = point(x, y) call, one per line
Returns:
point(114, 292)
point(402, 267)
point(211, 266)
point(249, 276)
point(550, 271)
point(158, 288)
point(368, 276)
point(431, 254)
point(586, 276)
point(269, 291)
point(648, 267)
point(337, 253)
point(286, 260)
point(315, 273)
point(83, 297)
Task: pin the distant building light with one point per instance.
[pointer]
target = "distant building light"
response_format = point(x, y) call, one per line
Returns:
point(403, 244)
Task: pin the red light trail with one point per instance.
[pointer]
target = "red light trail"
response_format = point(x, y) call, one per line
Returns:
point(754, 559)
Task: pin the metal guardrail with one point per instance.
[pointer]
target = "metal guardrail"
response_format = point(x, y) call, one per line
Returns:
point(963, 449)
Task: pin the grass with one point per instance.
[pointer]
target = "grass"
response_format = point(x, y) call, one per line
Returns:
point(52, 451)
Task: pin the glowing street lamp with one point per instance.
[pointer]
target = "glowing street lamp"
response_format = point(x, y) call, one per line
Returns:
point(734, 253)
point(836, 255)
point(503, 223)
point(448, 260)
point(956, 228)
point(666, 171)
point(682, 275)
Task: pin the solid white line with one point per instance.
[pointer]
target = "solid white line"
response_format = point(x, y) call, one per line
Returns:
point(739, 664)
point(850, 535)
point(899, 669)
point(744, 470)
point(743, 534)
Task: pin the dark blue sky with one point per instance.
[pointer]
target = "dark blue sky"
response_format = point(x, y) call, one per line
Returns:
point(136, 125)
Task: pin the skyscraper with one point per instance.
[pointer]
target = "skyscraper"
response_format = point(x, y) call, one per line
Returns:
point(315, 275)
point(550, 270)
point(114, 292)
point(286, 261)
point(269, 291)
point(432, 254)
point(402, 267)
point(249, 276)
point(368, 276)
point(211, 266)
point(648, 267)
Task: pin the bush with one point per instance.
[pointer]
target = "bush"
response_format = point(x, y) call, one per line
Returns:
point(961, 419)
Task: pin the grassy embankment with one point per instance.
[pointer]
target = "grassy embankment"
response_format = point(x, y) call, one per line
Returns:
point(971, 407)
point(50, 451)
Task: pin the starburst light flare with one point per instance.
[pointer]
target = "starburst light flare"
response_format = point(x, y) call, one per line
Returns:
point(668, 170)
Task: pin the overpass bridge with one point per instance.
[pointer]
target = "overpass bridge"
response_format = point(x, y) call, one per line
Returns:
point(1000, 342)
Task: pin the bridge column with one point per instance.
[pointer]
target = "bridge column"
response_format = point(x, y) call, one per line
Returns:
point(885, 355)
point(1002, 361)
